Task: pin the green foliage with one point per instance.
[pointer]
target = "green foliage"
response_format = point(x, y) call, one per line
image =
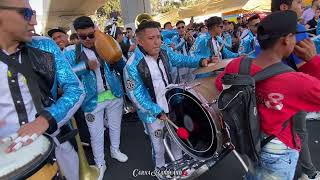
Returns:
point(168, 6)
point(103, 13)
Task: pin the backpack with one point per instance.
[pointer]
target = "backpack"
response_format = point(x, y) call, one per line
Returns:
point(237, 103)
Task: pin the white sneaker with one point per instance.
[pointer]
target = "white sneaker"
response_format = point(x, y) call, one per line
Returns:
point(116, 154)
point(305, 177)
point(102, 169)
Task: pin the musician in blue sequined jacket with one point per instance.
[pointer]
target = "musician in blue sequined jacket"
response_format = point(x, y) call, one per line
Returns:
point(139, 82)
point(62, 108)
point(55, 72)
point(147, 75)
point(249, 43)
point(167, 35)
point(210, 45)
point(227, 40)
point(88, 78)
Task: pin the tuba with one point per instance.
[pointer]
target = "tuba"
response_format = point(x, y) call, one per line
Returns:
point(107, 47)
point(87, 172)
point(142, 17)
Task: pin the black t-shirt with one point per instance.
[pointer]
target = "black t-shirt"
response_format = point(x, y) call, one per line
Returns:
point(125, 48)
point(313, 23)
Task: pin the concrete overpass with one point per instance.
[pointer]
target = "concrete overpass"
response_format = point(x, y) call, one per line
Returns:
point(61, 13)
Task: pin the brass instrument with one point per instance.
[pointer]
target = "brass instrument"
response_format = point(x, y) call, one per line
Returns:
point(87, 172)
point(107, 47)
point(142, 17)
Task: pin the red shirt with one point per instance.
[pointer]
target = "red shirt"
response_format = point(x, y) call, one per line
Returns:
point(282, 96)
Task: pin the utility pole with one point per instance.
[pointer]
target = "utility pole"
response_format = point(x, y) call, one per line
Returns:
point(131, 8)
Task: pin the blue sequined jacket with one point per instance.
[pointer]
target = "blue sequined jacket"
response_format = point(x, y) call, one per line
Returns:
point(138, 80)
point(227, 40)
point(203, 47)
point(88, 79)
point(167, 35)
point(62, 108)
point(249, 45)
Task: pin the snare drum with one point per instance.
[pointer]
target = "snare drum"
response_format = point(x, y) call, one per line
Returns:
point(193, 107)
point(29, 162)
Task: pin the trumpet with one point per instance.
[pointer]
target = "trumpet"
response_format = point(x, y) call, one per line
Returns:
point(87, 172)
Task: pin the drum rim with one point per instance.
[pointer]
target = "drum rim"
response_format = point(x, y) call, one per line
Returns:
point(178, 140)
point(35, 166)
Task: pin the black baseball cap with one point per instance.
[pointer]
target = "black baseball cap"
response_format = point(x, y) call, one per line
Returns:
point(54, 30)
point(278, 24)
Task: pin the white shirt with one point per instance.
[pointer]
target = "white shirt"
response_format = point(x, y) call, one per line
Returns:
point(216, 48)
point(92, 57)
point(157, 81)
point(7, 108)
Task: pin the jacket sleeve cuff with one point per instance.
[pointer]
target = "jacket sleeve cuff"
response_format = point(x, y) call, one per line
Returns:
point(53, 126)
point(159, 115)
point(200, 62)
point(312, 67)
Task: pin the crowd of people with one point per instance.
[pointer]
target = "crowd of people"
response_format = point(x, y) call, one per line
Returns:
point(71, 76)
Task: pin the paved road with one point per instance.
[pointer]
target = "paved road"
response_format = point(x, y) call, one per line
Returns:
point(136, 145)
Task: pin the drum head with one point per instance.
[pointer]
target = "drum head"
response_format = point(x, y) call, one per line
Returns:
point(35, 165)
point(186, 111)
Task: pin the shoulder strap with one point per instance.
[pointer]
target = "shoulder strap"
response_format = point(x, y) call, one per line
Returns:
point(266, 73)
point(78, 52)
point(269, 138)
point(245, 65)
point(32, 79)
point(272, 70)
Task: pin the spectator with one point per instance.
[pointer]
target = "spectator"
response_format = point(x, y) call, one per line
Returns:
point(312, 24)
point(59, 36)
point(310, 13)
point(74, 39)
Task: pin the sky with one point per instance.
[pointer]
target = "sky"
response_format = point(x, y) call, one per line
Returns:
point(38, 6)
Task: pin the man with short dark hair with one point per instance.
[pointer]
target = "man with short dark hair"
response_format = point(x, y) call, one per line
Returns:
point(146, 75)
point(168, 33)
point(59, 36)
point(168, 26)
point(181, 46)
point(249, 42)
point(297, 63)
point(278, 99)
point(103, 93)
point(74, 39)
point(130, 40)
point(211, 45)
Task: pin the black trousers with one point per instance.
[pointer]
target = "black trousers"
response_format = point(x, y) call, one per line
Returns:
point(305, 160)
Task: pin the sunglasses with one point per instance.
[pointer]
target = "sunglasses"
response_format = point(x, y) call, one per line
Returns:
point(181, 27)
point(84, 37)
point(256, 25)
point(26, 12)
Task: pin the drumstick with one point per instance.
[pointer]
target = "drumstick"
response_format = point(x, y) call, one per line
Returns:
point(174, 125)
point(250, 53)
point(179, 130)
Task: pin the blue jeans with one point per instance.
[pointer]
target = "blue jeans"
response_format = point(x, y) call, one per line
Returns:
point(278, 162)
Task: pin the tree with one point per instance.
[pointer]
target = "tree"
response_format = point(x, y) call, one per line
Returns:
point(157, 7)
point(105, 11)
